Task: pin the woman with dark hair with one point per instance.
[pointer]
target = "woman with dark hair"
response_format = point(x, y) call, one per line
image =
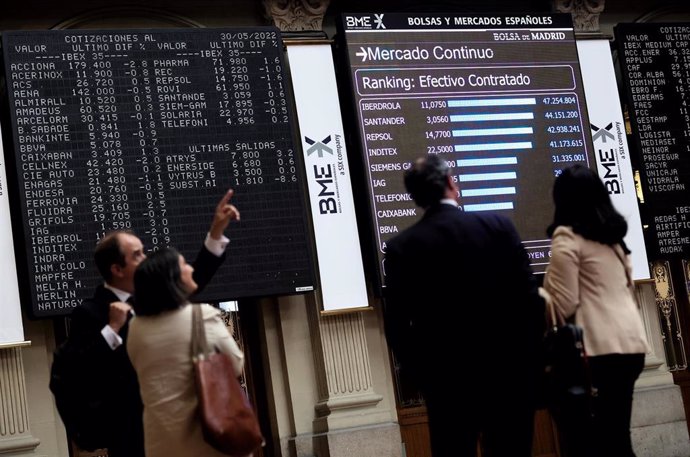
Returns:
point(590, 277)
point(159, 346)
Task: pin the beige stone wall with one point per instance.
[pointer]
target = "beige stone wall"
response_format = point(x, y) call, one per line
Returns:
point(45, 422)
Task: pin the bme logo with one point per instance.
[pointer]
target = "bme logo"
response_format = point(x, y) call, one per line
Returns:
point(318, 146)
point(608, 159)
point(325, 178)
point(364, 21)
point(602, 133)
point(324, 175)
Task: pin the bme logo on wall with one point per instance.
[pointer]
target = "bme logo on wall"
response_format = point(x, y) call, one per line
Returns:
point(325, 167)
point(365, 22)
point(318, 146)
point(610, 149)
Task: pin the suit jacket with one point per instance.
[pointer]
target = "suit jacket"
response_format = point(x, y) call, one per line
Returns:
point(460, 284)
point(112, 370)
point(593, 281)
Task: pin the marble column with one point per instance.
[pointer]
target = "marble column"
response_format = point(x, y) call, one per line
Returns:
point(15, 433)
point(658, 425)
point(345, 389)
point(336, 397)
point(350, 417)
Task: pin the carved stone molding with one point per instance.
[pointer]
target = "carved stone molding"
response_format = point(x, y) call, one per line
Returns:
point(585, 13)
point(346, 391)
point(345, 353)
point(296, 15)
point(15, 436)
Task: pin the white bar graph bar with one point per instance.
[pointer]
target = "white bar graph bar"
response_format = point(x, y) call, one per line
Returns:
point(488, 206)
point(491, 102)
point(493, 146)
point(487, 191)
point(491, 117)
point(469, 177)
point(483, 162)
point(485, 132)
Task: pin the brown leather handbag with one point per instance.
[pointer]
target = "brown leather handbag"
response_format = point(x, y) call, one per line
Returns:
point(227, 420)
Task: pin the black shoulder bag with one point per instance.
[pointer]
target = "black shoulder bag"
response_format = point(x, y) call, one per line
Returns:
point(569, 390)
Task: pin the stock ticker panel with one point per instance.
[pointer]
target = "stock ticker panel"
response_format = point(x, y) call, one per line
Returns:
point(145, 131)
point(499, 97)
point(655, 60)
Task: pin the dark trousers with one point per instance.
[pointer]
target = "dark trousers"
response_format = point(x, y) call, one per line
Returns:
point(613, 377)
point(128, 437)
point(504, 423)
point(125, 450)
point(130, 446)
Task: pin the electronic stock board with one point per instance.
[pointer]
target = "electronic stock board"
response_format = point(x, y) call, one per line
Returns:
point(499, 97)
point(655, 62)
point(145, 130)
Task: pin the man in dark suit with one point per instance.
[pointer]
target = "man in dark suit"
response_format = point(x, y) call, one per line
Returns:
point(99, 326)
point(459, 288)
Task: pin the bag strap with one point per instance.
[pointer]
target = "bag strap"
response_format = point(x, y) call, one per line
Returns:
point(552, 312)
point(625, 267)
point(199, 343)
point(548, 302)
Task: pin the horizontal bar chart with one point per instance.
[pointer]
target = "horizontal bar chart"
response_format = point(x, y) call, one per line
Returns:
point(488, 191)
point(486, 162)
point(493, 146)
point(491, 102)
point(496, 131)
point(491, 117)
point(488, 206)
point(470, 177)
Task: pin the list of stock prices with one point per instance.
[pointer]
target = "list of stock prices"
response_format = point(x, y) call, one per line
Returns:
point(655, 59)
point(145, 131)
point(500, 98)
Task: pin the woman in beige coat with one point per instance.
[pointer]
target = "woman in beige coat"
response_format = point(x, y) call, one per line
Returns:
point(589, 277)
point(159, 346)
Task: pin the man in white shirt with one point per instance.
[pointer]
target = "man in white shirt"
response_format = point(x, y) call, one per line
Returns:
point(100, 326)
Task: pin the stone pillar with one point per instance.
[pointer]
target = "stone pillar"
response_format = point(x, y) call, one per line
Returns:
point(330, 381)
point(585, 13)
point(349, 416)
point(296, 15)
point(656, 371)
point(343, 362)
point(658, 425)
point(347, 400)
point(15, 434)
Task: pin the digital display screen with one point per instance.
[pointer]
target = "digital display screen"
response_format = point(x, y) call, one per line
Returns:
point(145, 130)
point(499, 97)
point(655, 60)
